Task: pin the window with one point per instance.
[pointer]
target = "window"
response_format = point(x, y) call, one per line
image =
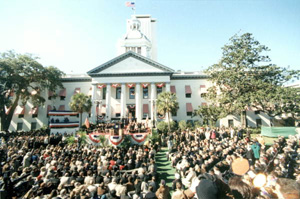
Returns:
point(118, 114)
point(258, 122)
point(33, 125)
point(131, 93)
point(139, 50)
point(118, 93)
point(158, 90)
point(257, 112)
point(174, 114)
point(34, 115)
point(189, 113)
point(145, 93)
point(19, 126)
point(203, 95)
point(230, 123)
point(50, 97)
point(21, 115)
point(104, 93)
point(188, 95)
point(62, 98)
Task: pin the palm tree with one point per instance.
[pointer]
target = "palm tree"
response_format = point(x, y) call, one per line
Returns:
point(80, 103)
point(166, 104)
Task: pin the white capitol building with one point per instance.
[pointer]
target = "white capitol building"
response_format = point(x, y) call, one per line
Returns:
point(128, 86)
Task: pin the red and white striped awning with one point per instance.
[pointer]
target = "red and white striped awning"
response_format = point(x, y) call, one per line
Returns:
point(77, 90)
point(34, 111)
point(145, 108)
point(61, 108)
point(63, 93)
point(50, 93)
point(20, 110)
point(61, 113)
point(189, 107)
point(173, 89)
point(188, 89)
point(63, 125)
point(48, 108)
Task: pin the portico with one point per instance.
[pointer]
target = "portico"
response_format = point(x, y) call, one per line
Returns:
point(139, 86)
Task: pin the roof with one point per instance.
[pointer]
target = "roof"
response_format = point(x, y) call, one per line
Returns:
point(95, 71)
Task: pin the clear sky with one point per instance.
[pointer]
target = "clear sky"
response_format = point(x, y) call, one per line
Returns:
point(78, 35)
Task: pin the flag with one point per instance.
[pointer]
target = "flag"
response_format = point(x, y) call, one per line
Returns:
point(130, 4)
point(87, 123)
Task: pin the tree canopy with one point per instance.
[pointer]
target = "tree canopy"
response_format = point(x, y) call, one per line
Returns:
point(209, 114)
point(23, 78)
point(167, 104)
point(244, 78)
point(81, 103)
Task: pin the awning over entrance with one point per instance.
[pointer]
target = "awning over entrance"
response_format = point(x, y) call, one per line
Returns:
point(189, 107)
point(173, 89)
point(34, 111)
point(77, 90)
point(146, 108)
point(63, 93)
point(20, 110)
point(188, 89)
point(61, 108)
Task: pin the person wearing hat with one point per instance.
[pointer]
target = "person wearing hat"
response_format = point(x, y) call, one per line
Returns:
point(163, 191)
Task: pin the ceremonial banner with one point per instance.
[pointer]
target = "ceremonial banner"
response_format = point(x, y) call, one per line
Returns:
point(115, 85)
point(139, 137)
point(100, 86)
point(116, 139)
point(160, 85)
point(145, 85)
point(130, 85)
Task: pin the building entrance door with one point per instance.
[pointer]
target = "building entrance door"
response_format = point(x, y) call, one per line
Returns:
point(131, 112)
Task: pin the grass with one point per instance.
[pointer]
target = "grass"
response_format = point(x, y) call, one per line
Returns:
point(164, 168)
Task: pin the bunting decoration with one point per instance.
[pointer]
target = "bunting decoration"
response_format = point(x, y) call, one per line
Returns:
point(160, 85)
point(115, 85)
point(139, 137)
point(145, 85)
point(131, 106)
point(130, 85)
point(116, 140)
point(100, 86)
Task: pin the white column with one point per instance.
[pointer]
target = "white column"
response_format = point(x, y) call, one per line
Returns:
point(168, 87)
point(123, 100)
point(138, 107)
point(108, 99)
point(94, 97)
point(153, 97)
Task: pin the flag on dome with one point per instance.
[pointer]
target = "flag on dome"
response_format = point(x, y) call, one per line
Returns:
point(130, 4)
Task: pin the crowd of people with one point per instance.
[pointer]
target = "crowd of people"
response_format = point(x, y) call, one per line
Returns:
point(39, 165)
point(203, 161)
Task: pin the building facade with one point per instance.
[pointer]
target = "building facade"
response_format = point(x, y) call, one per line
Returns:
point(128, 85)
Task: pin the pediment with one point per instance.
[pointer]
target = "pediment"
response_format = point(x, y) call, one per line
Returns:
point(130, 63)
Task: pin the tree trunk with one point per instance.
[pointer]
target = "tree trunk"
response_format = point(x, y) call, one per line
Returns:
point(243, 119)
point(169, 125)
point(6, 119)
point(80, 123)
